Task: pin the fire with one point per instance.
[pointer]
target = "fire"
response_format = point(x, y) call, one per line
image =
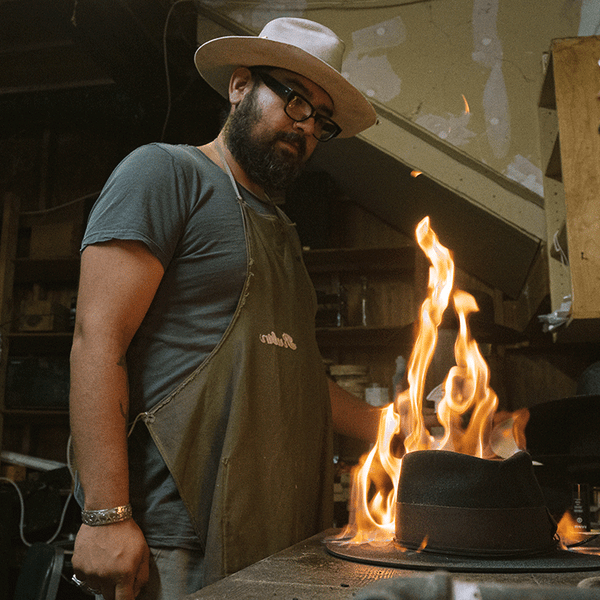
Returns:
point(573, 536)
point(441, 280)
point(467, 110)
point(466, 389)
point(466, 410)
point(520, 419)
point(569, 531)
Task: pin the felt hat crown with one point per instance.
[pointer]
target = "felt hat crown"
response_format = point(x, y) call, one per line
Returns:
point(298, 45)
point(460, 504)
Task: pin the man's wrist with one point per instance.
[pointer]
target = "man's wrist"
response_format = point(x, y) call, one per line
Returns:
point(106, 516)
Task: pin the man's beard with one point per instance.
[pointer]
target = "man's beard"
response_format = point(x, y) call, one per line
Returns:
point(270, 167)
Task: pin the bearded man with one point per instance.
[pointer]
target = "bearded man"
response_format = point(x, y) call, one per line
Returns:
point(201, 415)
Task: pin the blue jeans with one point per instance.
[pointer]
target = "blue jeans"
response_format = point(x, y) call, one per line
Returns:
point(174, 574)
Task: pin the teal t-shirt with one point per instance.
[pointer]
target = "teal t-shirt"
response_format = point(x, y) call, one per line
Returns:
point(183, 207)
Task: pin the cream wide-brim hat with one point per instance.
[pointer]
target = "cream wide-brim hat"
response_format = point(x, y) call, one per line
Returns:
point(298, 45)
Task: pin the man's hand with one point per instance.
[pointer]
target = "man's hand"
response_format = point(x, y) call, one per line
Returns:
point(112, 558)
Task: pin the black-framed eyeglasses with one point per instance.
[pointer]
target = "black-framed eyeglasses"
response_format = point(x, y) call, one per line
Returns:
point(300, 109)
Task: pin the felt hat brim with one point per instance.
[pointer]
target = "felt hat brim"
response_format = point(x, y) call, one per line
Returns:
point(392, 555)
point(217, 59)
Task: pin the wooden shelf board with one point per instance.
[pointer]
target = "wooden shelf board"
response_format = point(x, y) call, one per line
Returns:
point(488, 333)
point(36, 412)
point(360, 259)
point(40, 343)
point(55, 270)
point(364, 336)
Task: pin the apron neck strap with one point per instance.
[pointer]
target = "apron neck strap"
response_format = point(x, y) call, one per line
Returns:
point(236, 189)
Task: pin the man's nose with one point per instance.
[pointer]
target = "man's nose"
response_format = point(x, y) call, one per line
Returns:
point(308, 126)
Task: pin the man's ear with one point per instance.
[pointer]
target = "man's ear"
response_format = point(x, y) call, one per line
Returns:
point(240, 83)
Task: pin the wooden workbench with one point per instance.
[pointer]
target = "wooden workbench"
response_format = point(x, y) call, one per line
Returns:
point(307, 571)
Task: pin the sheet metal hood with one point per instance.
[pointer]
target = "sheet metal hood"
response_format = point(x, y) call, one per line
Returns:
point(494, 226)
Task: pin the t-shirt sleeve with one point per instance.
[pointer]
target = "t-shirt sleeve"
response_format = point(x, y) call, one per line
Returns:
point(144, 199)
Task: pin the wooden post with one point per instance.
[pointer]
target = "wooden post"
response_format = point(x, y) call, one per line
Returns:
point(577, 83)
point(8, 251)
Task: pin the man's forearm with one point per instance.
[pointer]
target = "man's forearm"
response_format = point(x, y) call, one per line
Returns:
point(351, 416)
point(98, 407)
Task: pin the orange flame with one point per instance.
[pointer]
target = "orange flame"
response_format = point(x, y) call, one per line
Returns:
point(520, 420)
point(467, 397)
point(467, 110)
point(569, 531)
point(441, 280)
point(466, 389)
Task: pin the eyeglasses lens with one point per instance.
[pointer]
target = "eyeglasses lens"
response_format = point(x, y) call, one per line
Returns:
point(299, 109)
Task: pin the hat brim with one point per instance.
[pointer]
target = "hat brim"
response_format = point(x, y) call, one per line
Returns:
point(217, 59)
point(390, 554)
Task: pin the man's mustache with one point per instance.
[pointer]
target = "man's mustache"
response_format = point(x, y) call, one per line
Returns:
point(296, 139)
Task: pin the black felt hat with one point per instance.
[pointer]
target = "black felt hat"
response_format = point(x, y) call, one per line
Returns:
point(462, 513)
point(459, 504)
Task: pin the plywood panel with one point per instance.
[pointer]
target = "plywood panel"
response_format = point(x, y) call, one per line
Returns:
point(8, 244)
point(577, 84)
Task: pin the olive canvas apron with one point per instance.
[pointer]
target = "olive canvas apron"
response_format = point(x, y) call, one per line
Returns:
point(248, 437)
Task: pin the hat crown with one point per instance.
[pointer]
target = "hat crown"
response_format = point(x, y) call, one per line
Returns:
point(313, 38)
point(471, 506)
point(445, 478)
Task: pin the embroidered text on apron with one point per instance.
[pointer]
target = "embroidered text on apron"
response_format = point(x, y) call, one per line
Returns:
point(247, 437)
